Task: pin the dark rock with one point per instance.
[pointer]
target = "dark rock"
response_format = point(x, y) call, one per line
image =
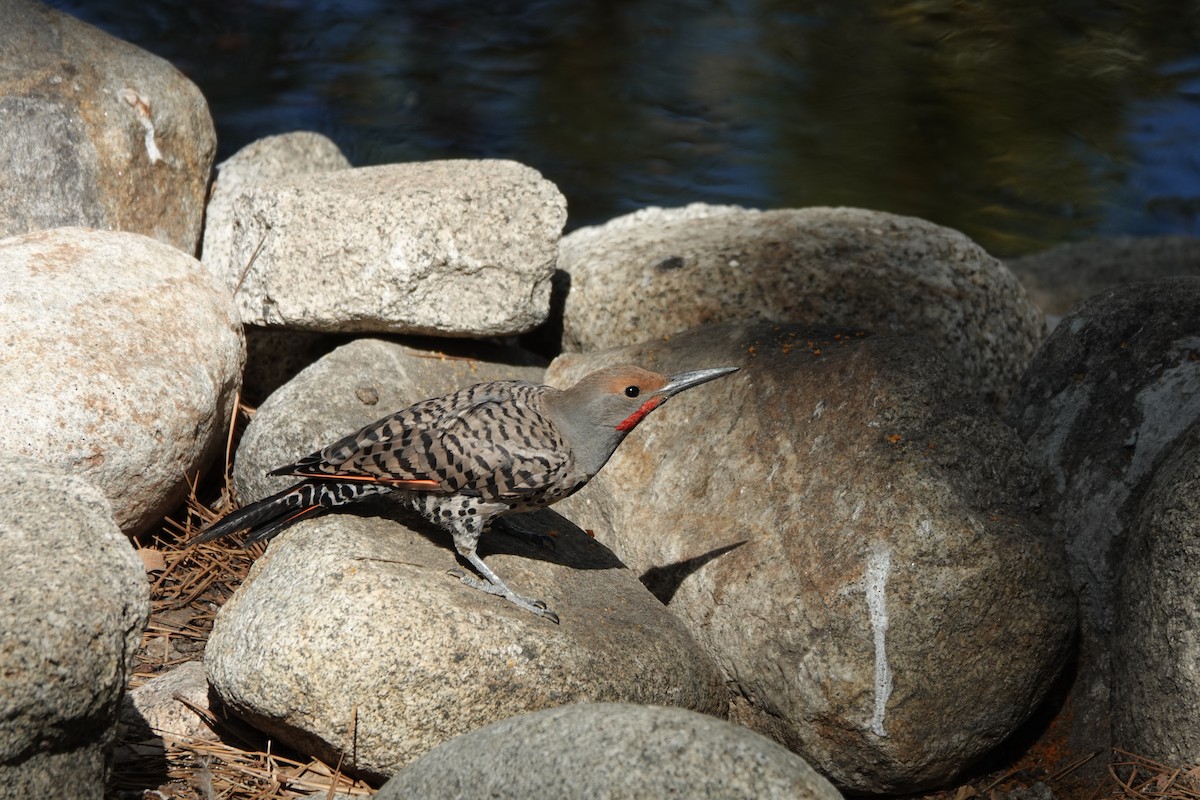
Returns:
point(1156, 687)
point(1110, 392)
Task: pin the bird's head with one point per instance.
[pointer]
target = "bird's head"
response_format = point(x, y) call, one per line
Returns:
point(604, 406)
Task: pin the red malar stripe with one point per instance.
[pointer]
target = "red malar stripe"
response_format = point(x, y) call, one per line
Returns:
point(633, 419)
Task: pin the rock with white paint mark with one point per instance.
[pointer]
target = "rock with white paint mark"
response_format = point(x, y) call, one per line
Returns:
point(121, 359)
point(851, 535)
point(610, 750)
point(1156, 687)
point(1104, 401)
point(657, 271)
point(451, 248)
point(97, 132)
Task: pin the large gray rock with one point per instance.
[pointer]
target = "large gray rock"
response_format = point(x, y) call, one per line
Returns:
point(609, 751)
point(851, 535)
point(274, 355)
point(1106, 398)
point(656, 271)
point(97, 133)
point(73, 604)
point(1062, 277)
point(350, 641)
point(121, 359)
point(353, 386)
point(459, 248)
point(282, 156)
point(1156, 686)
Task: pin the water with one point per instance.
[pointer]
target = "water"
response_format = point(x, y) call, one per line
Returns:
point(1023, 124)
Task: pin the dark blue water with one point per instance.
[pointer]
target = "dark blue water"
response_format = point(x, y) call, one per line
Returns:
point(1024, 124)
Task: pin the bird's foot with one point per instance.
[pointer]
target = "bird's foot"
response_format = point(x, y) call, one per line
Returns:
point(501, 590)
point(519, 529)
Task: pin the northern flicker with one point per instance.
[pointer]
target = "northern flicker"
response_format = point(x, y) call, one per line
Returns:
point(464, 459)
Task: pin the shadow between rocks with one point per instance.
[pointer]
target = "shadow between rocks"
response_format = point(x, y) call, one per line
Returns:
point(139, 757)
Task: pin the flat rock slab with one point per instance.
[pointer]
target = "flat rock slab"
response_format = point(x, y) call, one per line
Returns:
point(97, 132)
point(451, 248)
point(350, 641)
point(73, 605)
point(658, 271)
point(852, 536)
point(272, 157)
point(605, 751)
point(121, 359)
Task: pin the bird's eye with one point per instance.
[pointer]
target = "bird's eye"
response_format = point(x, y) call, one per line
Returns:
point(632, 391)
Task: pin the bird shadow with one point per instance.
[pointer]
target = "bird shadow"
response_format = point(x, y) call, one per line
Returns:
point(663, 582)
point(542, 535)
point(546, 535)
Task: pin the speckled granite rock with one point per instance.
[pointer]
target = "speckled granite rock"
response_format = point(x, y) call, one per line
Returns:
point(349, 639)
point(269, 158)
point(852, 536)
point(453, 248)
point(73, 604)
point(97, 132)
point(657, 271)
point(607, 751)
point(121, 359)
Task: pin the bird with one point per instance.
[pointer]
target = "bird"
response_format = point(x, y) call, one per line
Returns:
point(464, 460)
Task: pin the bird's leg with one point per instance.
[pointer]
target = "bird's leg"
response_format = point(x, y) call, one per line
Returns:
point(499, 588)
point(466, 536)
point(513, 526)
point(465, 532)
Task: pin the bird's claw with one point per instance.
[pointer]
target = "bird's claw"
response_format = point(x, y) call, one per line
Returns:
point(531, 605)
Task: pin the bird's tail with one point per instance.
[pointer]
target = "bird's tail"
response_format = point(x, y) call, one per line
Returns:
point(268, 516)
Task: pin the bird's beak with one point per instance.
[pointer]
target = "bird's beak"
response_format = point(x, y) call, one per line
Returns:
point(686, 380)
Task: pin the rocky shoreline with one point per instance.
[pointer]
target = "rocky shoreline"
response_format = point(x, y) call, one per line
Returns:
point(859, 565)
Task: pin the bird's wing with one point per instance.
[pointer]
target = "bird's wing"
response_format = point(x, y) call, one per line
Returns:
point(369, 455)
point(477, 442)
point(503, 449)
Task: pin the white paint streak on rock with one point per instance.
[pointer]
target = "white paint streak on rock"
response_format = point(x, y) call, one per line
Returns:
point(879, 566)
point(142, 106)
